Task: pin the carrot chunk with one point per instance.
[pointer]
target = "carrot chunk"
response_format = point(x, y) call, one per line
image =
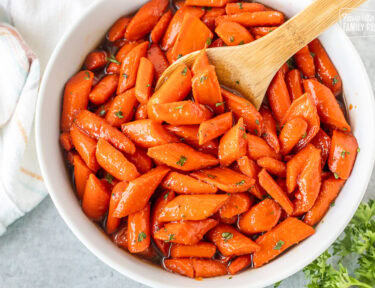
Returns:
point(237, 203)
point(142, 162)
point(208, 3)
point(117, 30)
point(293, 81)
point(259, 148)
point(208, 268)
point(239, 263)
point(323, 142)
point(81, 174)
point(233, 33)
point(112, 222)
point(66, 141)
point(215, 127)
point(95, 199)
point(201, 249)
point(254, 19)
point(95, 60)
point(273, 166)
point(104, 89)
point(139, 236)
point(269, 129)
point(160, 28)
point(210, 16)
point(240, 7)
point(180, 266)
point(305, 62)
point(141, 113)
point(158, 59)
point(249, 168)
point(121, 109)
point(291, 133)
point(145, 78)
point(261, 31)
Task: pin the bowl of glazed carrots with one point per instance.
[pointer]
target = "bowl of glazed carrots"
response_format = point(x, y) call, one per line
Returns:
point(190, 185)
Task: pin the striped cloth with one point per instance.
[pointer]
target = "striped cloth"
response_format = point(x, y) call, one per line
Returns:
point(21, 186)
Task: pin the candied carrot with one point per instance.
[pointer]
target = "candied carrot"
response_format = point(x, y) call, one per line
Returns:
point(237, 203)
point(258, 148)
point(139, 235)
point(121, 109)
point(305, 62)
point(254, 19)
point(112, 222)
point(95, 199)
point(210, 16)
point(251, 169)
point(269, 129)
point(124, 50)
point(142, 162)
point(180, 266)
point(81, 174)
point(233, 33)
point(159, 30)
point(201, 249)
point(120, 238)
point(200, 63)
point(208, 268)
point(239, 264)
point(145, 78)
point(294, 83)
point(262, 31)
point(291, 133)
point(158, 59)
point(104, 89)
point(95, 60)
point(208, 3)
point(141, 112)
point(217, 43)
point(240, 7)
point(103, 109)
point(117, 30)
point(273, 166)
point(66, 141)
point(323, 142)
point(215, 127)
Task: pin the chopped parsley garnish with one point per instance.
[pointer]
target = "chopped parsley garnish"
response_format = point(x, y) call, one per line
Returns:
point(208, 41)
point(142, 235)
point(219, 104)
point(203, 78)
point(87, 77)
point(336, 175)
point(237, 82)
point(257, 122)
point(184, 71)
point(171, 237)
point(182, 161)
point(119, 114)
point(240, 5)
point(304, 135)
point(290, 63)
point(148, 85)
point(244, 136)
point(113, 59)
point(358, 150)
point(335, 80)
point(231, 39)
point(166, 196)
point(343, 153)
point(332, 204)
point(241, 182)
point(178, 107)
point(226, 236)
point(179, 56)
point(125, 76)
point(279, 245)
point(312, 54)
point(241, 43)
point(211, 176)
point(109, 178)
point(102, 112)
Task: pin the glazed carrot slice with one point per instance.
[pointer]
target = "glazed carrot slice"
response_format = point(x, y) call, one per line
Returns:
point(76, 97)
point(95, 199)
point(237, 203)
point(160, 28)
point(243, 108)
point(215, 127)
point(260, 218)
point(217, 43)
point(225, 179)
point(233, 33)
point(210, 16)
point(141, 112)
point(145, 78)
point(113, 68)
point(95, 60)
point(200, 63)
point(273, 243)
point(102, 110)
point(208, 3)
point(180, 113)
point(253, 19)
point(278, 96)
point(293, 80)
point(158, 59)
point(328, 108)
point(185, 232)
point(121, 109)
point(269, 129)
point(292, 132)
point(258, 148)
point(157, 208)
point(323, 142)
point(194, 35)
point(104, 89)
point(261, 31)
point(145, 19)
point(275, 191)
point(342, 155)
point(206, 88)
point(124, 50)
point(180, 266)
point(97, 127)
point(240, 7)
point(139, 234)
point(273, 166)
point(142, 162)
point(184, 184)
point(305, 62)
point(66, 141)
point(81, 174)
point(114, 162)
point(233, 144)
point(117, 30)
point(120, 238)
point(249, 168)
point(85, 146)
point(176, 88)
point(325, 69)
point(206, 268)
point(112, 222)
point(239, 263)
point(181, 156)
point(201, 249)
point(231, 242)
point(192, 207)
point(305, 108)
point(129, 67)
point(174, 26)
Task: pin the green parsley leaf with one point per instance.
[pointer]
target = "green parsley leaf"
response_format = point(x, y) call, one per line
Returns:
point(241, 42)
point(332, 204)
point(226, 236)
point(178, 107)
point(290, 63)
point(125, 75)
point(276, 285)
point(358, 150)
point(102, 112)
point(312, 54)
point(142, 235)
point(279, 245)
point(241, 182)
point(208, 41)
point(119, 114)
point(336, 175)
point(87, 75)
point(244, 136)
point(230, 277)
point(109, 178)
point(257, 121)
point(184, 71)
point(182, 161)
point(203, 78)
point(231, 39)
point(237, 82)
point(240, 5)
point(113, 59)
point(166, 196)
point(219, 104)
point(304, 135)
point(211, 176)
point(148, 85)
point(335, 80)
point(171, 237)
point(343, 153)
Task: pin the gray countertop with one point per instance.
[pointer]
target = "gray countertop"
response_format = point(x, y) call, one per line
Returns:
point(40, 251)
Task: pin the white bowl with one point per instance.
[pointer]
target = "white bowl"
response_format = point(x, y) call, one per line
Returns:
point(67, 59)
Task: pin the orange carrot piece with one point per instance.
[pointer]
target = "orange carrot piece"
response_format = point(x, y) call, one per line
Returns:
point(291, 133)
point(114, 162)
point(139, 191)
point(305, 108)
point(325, 69)
point(145, 78)
point(239, 263)
point(206, 268)
point(160, 28)
point(145, 19)
point(192, 207)
point(158, 59)
point(293, 81)
point(129, 67)
point(323, 142)
point(262, 31)
point(273, 166)
point(249, 168)
point(231, 242)
point(200, 63)
point(269, 129)
point(124, 51)
point(104, 89)
point(258, 148)
point(275, 191)
point(342, 155)
point(117, 30)
point(207, 3)
point(85, 146)
point(201, 249)
point(95, 199)
point(273, 243)
point(217, 43)
point(113, 68)
point(185, 232)
point(233, 144)
point(142, 162)
point(181, 156)
point(112, 222)
point(184, 184)
point(120, 238)
point(237, 203)
point(305, 62)
point(260, 218)
point(225, 179)
point(141, 112)
point(254, 19)
point(66, 141)
point(180, 113)
point(233, 33)
point(241, 7)
point(76, 97)
point(121, 109)
point(328, 108)
point(215, 127)
point(81, 174)
point(95, 60)
point(206, 88)
point(243, 108)
point(97, 127)
point(278, 96)
point(180, 266)
point(210, 16)
point(139, 235)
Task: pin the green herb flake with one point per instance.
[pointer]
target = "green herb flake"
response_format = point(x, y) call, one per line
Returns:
point(343, 153)
point(219, 104)
point(240, 5)
point(178, 107)
point(87, 75)
point(230, 277)
point(358, 150)
point(226, 236)
point(256, 132)
point(109, 178)
point(184, 71)
point(203, 78)
point(102, 112)
point(344, 129)
point(276, 285)
point(304, 135)
point(166, 196)
point(244, 136)
point(125, 75)
point(179, 56)
point(312, 54)
point(257, 122)
point(211, 176)
point(119, 114)
point(113, 59)
point(182, 161)
point(335, 80)
point(231, 39)
point(241, 42)
point(170, 238)
point(290, 63)
point(141, 236)
point(208, 41)
point(237, 82)
point(182, 139)
point(241, 182)
point(332, 204)
point(148, 85)
point(336, 175)
point(279, 245)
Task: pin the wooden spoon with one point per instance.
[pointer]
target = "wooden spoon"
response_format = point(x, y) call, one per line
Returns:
point(250, 68)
